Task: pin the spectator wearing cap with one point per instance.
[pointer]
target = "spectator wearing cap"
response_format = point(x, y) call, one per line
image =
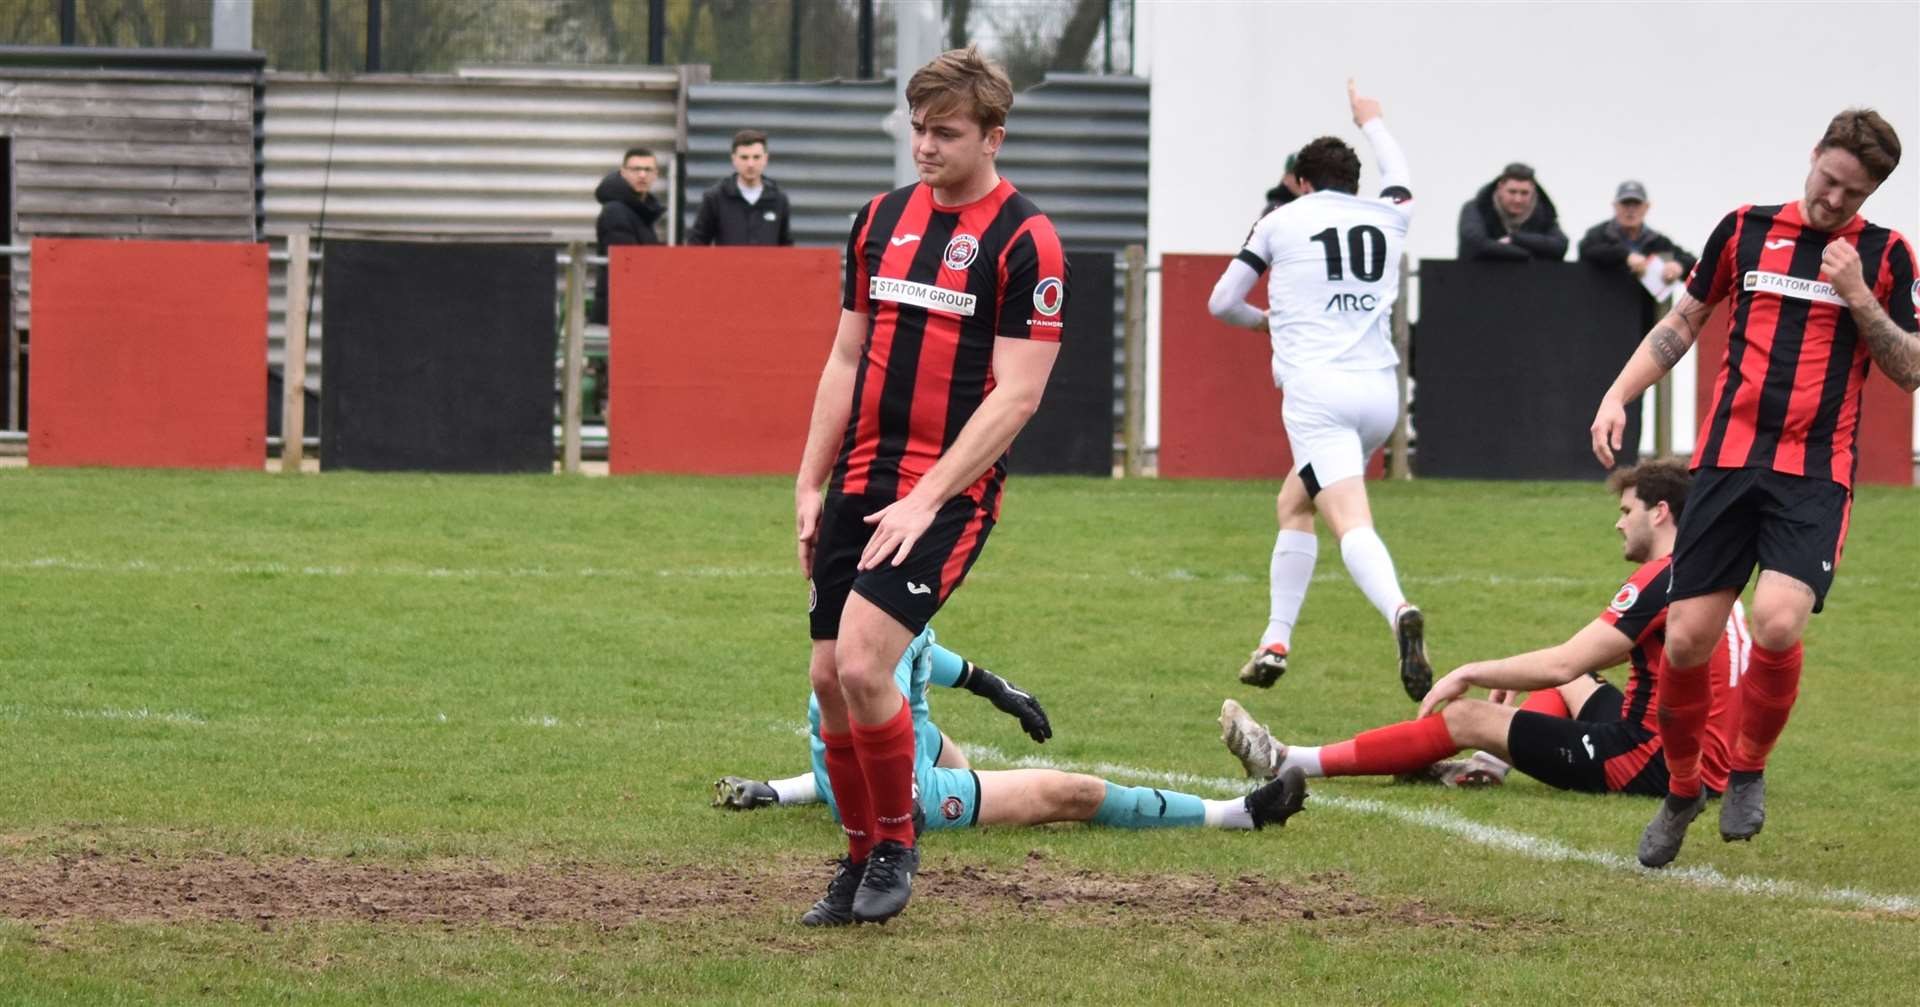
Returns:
point(1511, 219)
point(1626, 240)
point(1286, 192)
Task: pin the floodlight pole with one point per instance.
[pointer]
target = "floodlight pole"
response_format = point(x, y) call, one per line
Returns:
point(657, 32)
point(373, 36)
point(865, 69)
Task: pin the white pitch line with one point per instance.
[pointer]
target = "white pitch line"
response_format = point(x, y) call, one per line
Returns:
point(1177, 575)
point(1491, 836)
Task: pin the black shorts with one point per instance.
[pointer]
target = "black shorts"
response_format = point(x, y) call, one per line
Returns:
point(911, 592)
point(1596, 753)
point(1737, 518)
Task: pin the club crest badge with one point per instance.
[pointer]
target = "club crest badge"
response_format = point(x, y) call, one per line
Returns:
point(961, 251)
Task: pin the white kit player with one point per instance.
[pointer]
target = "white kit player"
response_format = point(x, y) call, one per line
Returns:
point(1333, 260)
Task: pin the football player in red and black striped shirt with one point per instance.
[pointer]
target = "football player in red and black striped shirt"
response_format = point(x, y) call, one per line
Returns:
point(1816, 293)
point(1575, 731)
point(955, 302)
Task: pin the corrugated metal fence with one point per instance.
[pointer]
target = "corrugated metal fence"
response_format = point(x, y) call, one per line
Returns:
point(487, 151)
point(1076, 143)
point(145, 153)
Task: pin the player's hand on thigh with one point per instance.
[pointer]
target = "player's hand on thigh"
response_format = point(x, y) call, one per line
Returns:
point(1449, 688)
point(897, 527)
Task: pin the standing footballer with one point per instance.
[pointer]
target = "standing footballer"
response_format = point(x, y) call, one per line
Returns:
point(1333, 260)
point(1816, 293)
point(955, 298)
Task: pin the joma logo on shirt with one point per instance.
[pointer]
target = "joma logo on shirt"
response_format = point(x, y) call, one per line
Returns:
point(1352, 302)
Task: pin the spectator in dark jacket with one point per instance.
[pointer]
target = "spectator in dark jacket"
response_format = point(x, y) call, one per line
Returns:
point(1286, 192)
point(1511, 218)
point(628, 213)
point(745, 208)
point(1626, 240)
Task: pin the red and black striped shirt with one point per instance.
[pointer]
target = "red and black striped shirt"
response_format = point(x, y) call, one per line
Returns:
point(1789, 390)
point(939, 284)
point(1639, 610)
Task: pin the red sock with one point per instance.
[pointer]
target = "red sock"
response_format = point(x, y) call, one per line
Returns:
point(886, 756)
point(1549, 702)
point(1767, 692)
point(850, 794)
point(1396, 748)
point(1684, 695)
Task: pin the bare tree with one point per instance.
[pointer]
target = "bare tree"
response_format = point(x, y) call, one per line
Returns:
point(1034, 38)
point(428, 35)
point(1076, 40)
point(957, 14)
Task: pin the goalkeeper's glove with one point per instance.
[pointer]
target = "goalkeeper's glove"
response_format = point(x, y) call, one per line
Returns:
point(1008, 699)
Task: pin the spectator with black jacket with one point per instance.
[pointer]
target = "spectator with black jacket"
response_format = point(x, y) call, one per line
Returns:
point(1626, 240)
point(1511, 219)
point(745, 208)
point(628, 214)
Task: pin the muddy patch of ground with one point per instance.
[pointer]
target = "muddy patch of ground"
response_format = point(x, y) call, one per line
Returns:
point(269, 892)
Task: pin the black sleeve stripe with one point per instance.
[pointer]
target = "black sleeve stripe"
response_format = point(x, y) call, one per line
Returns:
point(1246, 255)
point(1397, 193)
point(1712, 259)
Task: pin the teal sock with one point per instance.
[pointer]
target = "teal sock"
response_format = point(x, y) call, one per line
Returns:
point(1147, 808)
point(947, 666)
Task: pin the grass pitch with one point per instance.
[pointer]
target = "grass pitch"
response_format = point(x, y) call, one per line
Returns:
point(408, 739)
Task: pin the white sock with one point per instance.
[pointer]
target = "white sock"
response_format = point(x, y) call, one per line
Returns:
point(797, 790)
point(1231, 814)
point(1371, 568)
point(1305, 758)
point(1288, 575)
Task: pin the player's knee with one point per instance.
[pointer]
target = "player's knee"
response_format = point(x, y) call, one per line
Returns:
point(1689, 642)
point(1470, 722)
point(1685, 650)
point(1077, 797)
point(824, 676)
point(1778, 633)
point(857, 671)
point(1777, 630)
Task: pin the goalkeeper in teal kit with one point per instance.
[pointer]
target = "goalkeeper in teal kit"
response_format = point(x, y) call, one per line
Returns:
point(953, 795)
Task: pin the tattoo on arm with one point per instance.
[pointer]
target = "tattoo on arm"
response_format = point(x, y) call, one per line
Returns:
point(1674, 335)
point(1690, 314)
point(1896, 350)
point(1667, 346)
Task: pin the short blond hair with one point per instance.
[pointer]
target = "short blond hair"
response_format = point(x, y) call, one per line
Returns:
point(962, 81)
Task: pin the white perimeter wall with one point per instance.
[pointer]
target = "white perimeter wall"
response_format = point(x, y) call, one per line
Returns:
point(1710, 104)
